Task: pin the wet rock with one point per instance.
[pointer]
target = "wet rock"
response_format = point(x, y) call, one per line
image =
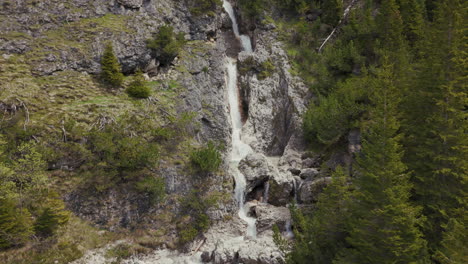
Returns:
point(256, 169)
point(294, 171)
point(310, 190)
point(309, 173)
point(206, 257)
point(281, 189)
point(269, 215)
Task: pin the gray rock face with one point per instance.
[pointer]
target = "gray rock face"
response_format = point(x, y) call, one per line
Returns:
point(275, 103)
point(268, 216)
point(256, 170)
point(131, 3)
point(281, 190)
point(125, 23)
point(309, 173)
point(310, 190)
point(227, 246)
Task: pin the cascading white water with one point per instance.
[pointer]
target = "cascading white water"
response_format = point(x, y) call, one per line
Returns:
point(244, 39)
point(239, 148)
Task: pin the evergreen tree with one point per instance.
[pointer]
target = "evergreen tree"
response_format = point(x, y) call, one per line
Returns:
point(319, 237)
point(28, 176)
point(436, 121)
point(111, 71)
point(332, 11)
point(384, 225)
point(166, 45)
point(138, 87)
point(52, 216)
point(452, 249)
point(412, 13)
point(15, 224)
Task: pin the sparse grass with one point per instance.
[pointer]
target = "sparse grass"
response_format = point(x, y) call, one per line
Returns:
point(69, 244)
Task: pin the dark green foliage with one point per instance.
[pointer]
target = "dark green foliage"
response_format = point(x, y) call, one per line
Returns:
point(252, 8)
point(138, 87)
point(111, 71)
point(332, 11)
point(117, 150)
point(452, 248)
point(194, 207)
point(206, 159)
point(435, 121)
point(53, 215)
point(153, 187)
point(384, 224)
point(267, 69)
point(166, 45)
point(330, 120)
point(321, 235)
point(15, 224)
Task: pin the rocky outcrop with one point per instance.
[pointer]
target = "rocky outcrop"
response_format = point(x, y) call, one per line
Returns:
point(310, 190)
point(256, 169)
point(224, 244)
point(59, 37)
point(269, 216)
point(276, 100)
point(131, 3)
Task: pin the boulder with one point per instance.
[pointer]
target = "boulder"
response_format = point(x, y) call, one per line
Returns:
point(269, 215)
point(281, 189)
point(134, 4)
point(256, 169)
point(309, 174)
point(310, 190)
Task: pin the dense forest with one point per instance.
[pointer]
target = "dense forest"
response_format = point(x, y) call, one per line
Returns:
point(395, 71)
point(398, 75)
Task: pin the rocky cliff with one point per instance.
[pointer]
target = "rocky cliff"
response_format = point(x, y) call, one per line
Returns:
point(50, 57)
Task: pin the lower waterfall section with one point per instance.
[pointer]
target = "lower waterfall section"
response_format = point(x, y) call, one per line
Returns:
point(239, 149)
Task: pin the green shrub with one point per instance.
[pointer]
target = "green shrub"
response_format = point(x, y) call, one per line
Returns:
point(15, 225)
point(207, 159)
point(252, 8)
point(203, 7)
point(166, 45)
point(120, 151)
point(154, 187)
point(138, 88)
point(52, 216)
point(111, 71)
point(329, 120)
point(120, 252)
point(194, 206)
point(267, 69)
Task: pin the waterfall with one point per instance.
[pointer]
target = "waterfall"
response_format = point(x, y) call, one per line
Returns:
point(244, 39)
point(265, 192)
point(239, 148)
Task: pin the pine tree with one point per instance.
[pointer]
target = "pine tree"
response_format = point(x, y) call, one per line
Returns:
point(52, 216)
point(166, 45)
point(384, 225)
point(111, 71)
point(138, 87)
point(29, 177)
point(436, 121)
point(452, 249)
point(15, 224)
point(333, 11)
point(412, 13)
point(323, 234)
